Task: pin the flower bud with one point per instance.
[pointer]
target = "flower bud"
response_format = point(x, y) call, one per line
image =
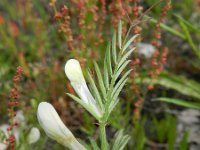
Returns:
point(73, 71)
point(3, 146)
point(55, 128)
point(75, 75)
point(33, 135)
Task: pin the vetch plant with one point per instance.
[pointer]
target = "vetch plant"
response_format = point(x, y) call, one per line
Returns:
point(99, 101)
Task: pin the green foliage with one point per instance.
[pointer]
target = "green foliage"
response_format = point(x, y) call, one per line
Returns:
point(120, 140)
point(94, 145)
point(179, 102)
point(87, 127)
point(165, 130)
point(138, 134)
point(190, 27)
point(183, 144)
point(169, 29)
point(189, 39)
point(185, 32)
point(120, 116)
point(179, 83)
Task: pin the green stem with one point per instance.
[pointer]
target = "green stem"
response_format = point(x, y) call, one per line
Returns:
point(104, 144)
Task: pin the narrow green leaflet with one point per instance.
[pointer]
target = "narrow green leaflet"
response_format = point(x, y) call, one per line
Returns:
point(114, 53)
point(121, 69)
point(88, 108)
point(94, 144)
point(123, 142)
point(120, 82)
point(109, 60)
point(124, 57)
point(116, 94)
point(120, 141)
point(96, 92)
point(113, 105)
point(106, 76)
point(120, 34)
point(118, 137)
point(129, 42)
point(100, 80)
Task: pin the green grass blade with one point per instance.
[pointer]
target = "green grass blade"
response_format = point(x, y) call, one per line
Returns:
point(184, 141)
point(179, 83)
point(189, 39)
point(169, 29)
point(179, 102)
point(190, 26)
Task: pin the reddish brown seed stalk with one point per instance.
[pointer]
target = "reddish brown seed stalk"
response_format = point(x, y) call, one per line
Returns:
point(64, 18)
point(12, 105)
point(159, 58)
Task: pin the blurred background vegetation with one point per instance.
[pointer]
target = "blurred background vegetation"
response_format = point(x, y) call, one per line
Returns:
point(41, 35)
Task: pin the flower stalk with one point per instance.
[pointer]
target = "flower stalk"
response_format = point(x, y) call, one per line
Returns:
point(104, 143)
